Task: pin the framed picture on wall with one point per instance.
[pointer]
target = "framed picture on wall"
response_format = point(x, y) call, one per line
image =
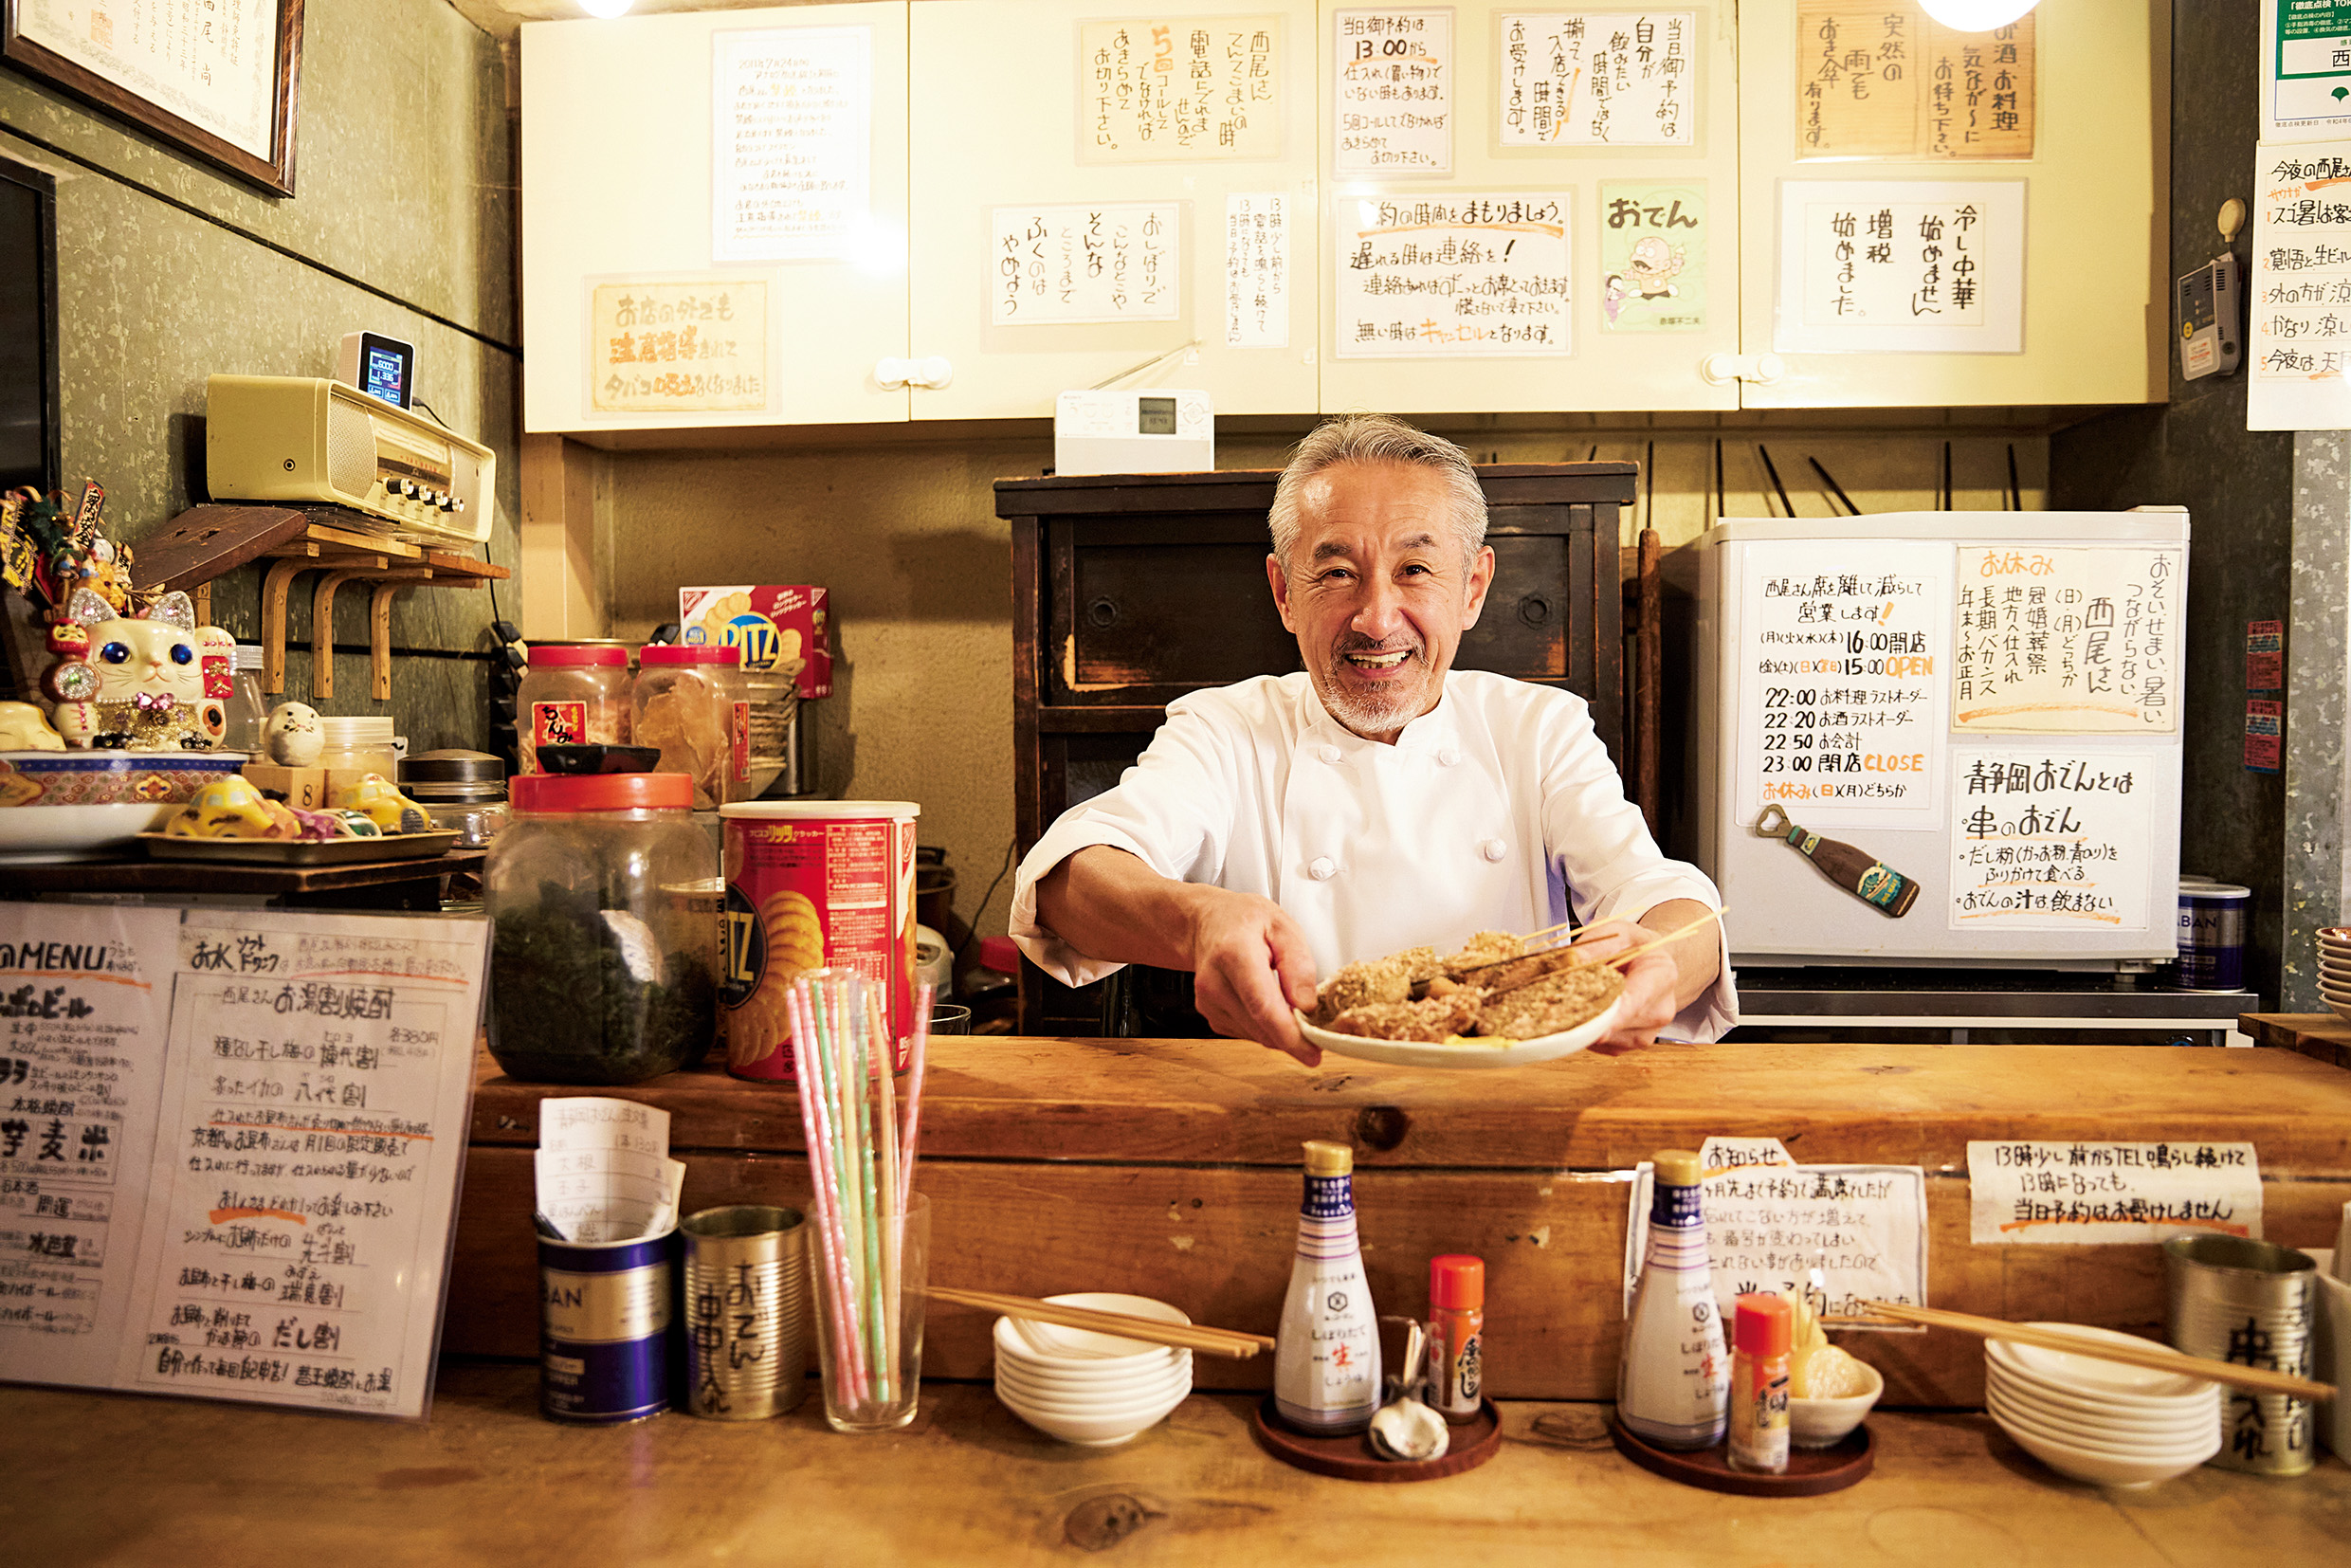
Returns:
point(216, 78)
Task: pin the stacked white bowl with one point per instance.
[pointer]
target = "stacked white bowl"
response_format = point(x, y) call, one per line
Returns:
point(2335, 969)
point(1095, 1389)
point(2102, 1422)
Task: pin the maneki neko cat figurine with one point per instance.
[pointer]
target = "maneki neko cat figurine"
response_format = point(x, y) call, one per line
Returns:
point(156, 682)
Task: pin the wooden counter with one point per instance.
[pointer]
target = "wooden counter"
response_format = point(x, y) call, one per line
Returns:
point(1170, 1168)
point(115, 1479)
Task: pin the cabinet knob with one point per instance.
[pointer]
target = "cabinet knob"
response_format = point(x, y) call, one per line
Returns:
point(1764, 370)
point(935, 371)
point(891, 374)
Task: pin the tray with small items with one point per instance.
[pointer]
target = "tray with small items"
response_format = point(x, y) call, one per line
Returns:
point(300, 852)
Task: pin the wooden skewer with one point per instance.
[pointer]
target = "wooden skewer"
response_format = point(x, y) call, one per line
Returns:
point(1229, 1342)
point(1620, 959)
point(2155, 1358)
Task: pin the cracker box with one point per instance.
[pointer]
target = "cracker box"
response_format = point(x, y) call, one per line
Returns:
point(771, 625)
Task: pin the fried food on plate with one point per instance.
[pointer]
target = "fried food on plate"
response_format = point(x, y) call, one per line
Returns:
point(1437, 1019)
point(1554, 1004)
point(1367, 983)
point(1485, 948)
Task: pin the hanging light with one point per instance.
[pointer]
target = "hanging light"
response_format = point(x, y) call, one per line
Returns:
point(1968, 15)
point(605, 9)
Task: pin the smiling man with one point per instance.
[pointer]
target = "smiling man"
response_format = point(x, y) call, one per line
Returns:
point(1378, 800)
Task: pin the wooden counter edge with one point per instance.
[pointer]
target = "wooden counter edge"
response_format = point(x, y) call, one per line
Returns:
point(2320, 1036)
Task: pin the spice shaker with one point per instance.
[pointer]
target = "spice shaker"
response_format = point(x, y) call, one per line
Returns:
point(1456, 1335)
point(1761, 1330)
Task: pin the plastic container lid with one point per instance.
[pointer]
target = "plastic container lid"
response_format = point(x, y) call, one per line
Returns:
point(452, 767)
point(602, 792)
point(346, 729)
point(1763, 1325)
point(1678, 1167)
point(688, 653)
point(2226, 892)
point(1457, 1281)
point(1326, 1159)
point(565, 658)
point(817, 811)
point(248, 656)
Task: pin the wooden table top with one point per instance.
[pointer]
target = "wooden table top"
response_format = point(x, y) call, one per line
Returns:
point(2321, 1036)
point(126, 1480)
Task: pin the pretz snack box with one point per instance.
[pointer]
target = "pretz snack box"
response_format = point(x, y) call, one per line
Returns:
point(772, 623)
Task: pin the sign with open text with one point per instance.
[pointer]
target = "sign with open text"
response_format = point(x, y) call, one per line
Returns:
point(2041, 1193)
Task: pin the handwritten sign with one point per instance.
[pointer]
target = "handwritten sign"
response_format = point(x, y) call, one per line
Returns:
point(2033, 1192)
point(2301, 289)
point(2053, 840)
point(603, 1168)
point(678, 346)
point(1437, 277)
point(1894, 82)
point(2071, 641)
point(792, 142)
point(1901, 267)
point(1653, 241)
point(1204, 89)
point(1057, 264)
point(1257, 270)
point(213, 63)
point(1841, 692)
point(1605, 79)
point(1392, 92)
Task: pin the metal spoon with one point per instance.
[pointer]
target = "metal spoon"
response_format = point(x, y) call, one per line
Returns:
point(1404, 1427)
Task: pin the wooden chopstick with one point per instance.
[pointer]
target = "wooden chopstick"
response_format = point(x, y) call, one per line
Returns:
point(2155, 1358)
point(1229, 1342)
point(1620, 959)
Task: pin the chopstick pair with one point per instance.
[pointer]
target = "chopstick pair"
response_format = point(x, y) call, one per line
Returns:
point(1614, 960)
point(1229, 1342)
point(2155, 1358)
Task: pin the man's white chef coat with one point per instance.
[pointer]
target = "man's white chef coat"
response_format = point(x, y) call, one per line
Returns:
point(1497, 810)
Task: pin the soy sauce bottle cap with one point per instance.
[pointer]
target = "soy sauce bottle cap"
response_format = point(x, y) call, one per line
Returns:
point(1678, 1167)
point(1325, 1158)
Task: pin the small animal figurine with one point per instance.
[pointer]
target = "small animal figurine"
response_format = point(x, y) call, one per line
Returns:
point(25, 728)
point(292, 734)
point(130, 682)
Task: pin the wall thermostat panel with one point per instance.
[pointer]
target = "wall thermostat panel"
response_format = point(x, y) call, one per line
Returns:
point(383, 368)
point(1152, 431)
point(2212, 336)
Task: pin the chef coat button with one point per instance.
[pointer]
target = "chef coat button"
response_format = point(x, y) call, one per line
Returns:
point(1322, 869)
point(1330, 753)
point(1493, 848)
point(1449, 756)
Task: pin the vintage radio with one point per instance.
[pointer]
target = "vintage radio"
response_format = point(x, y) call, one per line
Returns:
point(298, 438)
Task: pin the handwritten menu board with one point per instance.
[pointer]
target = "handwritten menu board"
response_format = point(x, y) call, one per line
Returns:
point(678, 345)
point(1654, 242)
point(1205, 90)
point(2301, 286)
point(2052, 839)
point(1437, 277)
point(1392, 91)
point(1057, 264)
point(1598, 79)
point(1901, 267)
point(792, 142)
point(2071, 641)
point(229, 1153)
point(1842, 706)
point(213, 63)
point(1891, 82)
point(1257, 270)
point(2033, 1192)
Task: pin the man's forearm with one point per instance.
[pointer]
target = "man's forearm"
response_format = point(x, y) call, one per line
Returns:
point(1109, 905)
point(1697, 956)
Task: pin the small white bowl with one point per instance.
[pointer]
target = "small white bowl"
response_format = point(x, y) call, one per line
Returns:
point(2196, 1448)
point(1091, 1431)
point(1074, 1386)
point(2116, 1382)
point(1052, 1342)
point(2129, 1474)
point(1134, 1405)
point(2187, 1412)
point(1820, 1423)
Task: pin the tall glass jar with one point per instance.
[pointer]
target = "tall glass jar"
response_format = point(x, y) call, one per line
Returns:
point(603, 952)
point(572, 696)
point(691, 702)
point(358, 742)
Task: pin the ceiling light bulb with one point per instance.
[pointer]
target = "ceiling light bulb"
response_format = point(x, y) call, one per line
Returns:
point(605, 9)
point(1976, 15)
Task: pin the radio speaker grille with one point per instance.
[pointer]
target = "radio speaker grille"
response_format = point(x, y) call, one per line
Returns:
point(350, 449)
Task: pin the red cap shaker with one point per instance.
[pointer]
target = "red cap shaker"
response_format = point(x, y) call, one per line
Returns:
point(1764, 1326)
point(1456, 1283)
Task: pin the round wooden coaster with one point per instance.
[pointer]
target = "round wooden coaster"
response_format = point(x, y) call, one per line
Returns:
point(1351, 1458)
point(1810, 1472)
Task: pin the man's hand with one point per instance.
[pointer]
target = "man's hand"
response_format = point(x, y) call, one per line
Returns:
point(1250, 967)
point(1658, 984)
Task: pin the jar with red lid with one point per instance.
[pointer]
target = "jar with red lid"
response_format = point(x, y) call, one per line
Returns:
point(603, 949)
point(572, 695)
point(691, 702)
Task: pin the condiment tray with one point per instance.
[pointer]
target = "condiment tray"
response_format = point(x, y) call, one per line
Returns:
point(1424, 1053)
point(301, 851)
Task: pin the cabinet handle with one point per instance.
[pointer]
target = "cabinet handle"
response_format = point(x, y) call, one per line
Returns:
point(891, 374)
point(1764, 370)
point(935, 371)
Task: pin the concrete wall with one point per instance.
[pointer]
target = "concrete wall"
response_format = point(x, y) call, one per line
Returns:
point(402, 223)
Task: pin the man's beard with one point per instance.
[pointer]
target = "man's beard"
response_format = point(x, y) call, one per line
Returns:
point(1374, 709)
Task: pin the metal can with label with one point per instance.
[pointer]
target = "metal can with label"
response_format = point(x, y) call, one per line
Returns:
point(605, 1309)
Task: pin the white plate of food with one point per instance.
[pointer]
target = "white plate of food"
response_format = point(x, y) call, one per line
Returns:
point(1490, 1005)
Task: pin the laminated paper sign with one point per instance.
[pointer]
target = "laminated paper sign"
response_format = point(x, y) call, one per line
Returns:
point(1392, 92)
point(1205, 90)
point(1901, 267)
point(2067, 640)
point(2088, 1194)
point(2299, 347)
point(678, 346)
point(2305, 68)
point(1598, 79)
point(1453, 276)
point(1891, 82)
point(792, 142)
point(1059, 265)
point(1257, 270)
point(1653, 241)
point(2052, 839)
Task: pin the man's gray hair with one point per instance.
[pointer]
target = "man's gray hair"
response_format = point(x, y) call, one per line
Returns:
point(1378, 438)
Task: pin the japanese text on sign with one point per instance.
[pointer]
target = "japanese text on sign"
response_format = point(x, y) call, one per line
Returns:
point(2067, 639)
point(1426, 276)
point(213, 63)
point(1652, 257)
point(1199, 89)
point(1592, 80)
point(1257, 270)
point(1393, 93)
point(2300, 288)
point(678, 347)
point(2306, 67)
point(1086, 263)
point(1895, 82)
point(2089, 1194)
point(792, 142)
point(1901, 267)
point(2052, 841)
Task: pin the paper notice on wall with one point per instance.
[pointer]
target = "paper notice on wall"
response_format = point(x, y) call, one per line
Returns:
point(213, 63)
point(792, 142)
point(1841, 693)
point(661, 345)
point(1891, 82)
point(2298, 341)
point(2067, 640)
point(1598, 79)
point(1204, 89)
point(1454, 277)
point(2033, 1192)
point(1257, 270)
point(1059, 265)
point(1653, 241)
point(2046, 839)
point(1901, 267)
point(2306, 69)
point(1392, 92)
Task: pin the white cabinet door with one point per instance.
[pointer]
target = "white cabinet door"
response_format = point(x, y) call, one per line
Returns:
point(1077, 169)
point(1619, 125)
point(621, 163)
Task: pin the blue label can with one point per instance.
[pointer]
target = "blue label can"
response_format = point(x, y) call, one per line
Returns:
point(604, 1317)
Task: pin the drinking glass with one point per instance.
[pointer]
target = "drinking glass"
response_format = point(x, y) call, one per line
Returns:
point(869, 1304)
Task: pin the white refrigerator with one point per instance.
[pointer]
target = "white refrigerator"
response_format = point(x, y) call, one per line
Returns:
point(1943, 738)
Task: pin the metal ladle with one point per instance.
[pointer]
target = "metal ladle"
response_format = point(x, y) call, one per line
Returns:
point(1404, 1427)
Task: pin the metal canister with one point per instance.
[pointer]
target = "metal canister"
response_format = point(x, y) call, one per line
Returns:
point(746, 1311)
point(604, 1316)
point(2248, 1302)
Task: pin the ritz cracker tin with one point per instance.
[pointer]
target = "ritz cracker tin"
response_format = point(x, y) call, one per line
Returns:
point(604, 1315)
point(808, 884)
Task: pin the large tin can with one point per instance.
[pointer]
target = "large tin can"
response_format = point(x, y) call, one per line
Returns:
point(604, 1316)
point(810, 884)
point(2249, 1301)
point(746, 1311)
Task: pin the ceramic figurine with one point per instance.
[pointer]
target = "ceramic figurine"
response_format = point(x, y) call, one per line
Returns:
point(129, 682)
point(25, 728)
point(292, 734)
